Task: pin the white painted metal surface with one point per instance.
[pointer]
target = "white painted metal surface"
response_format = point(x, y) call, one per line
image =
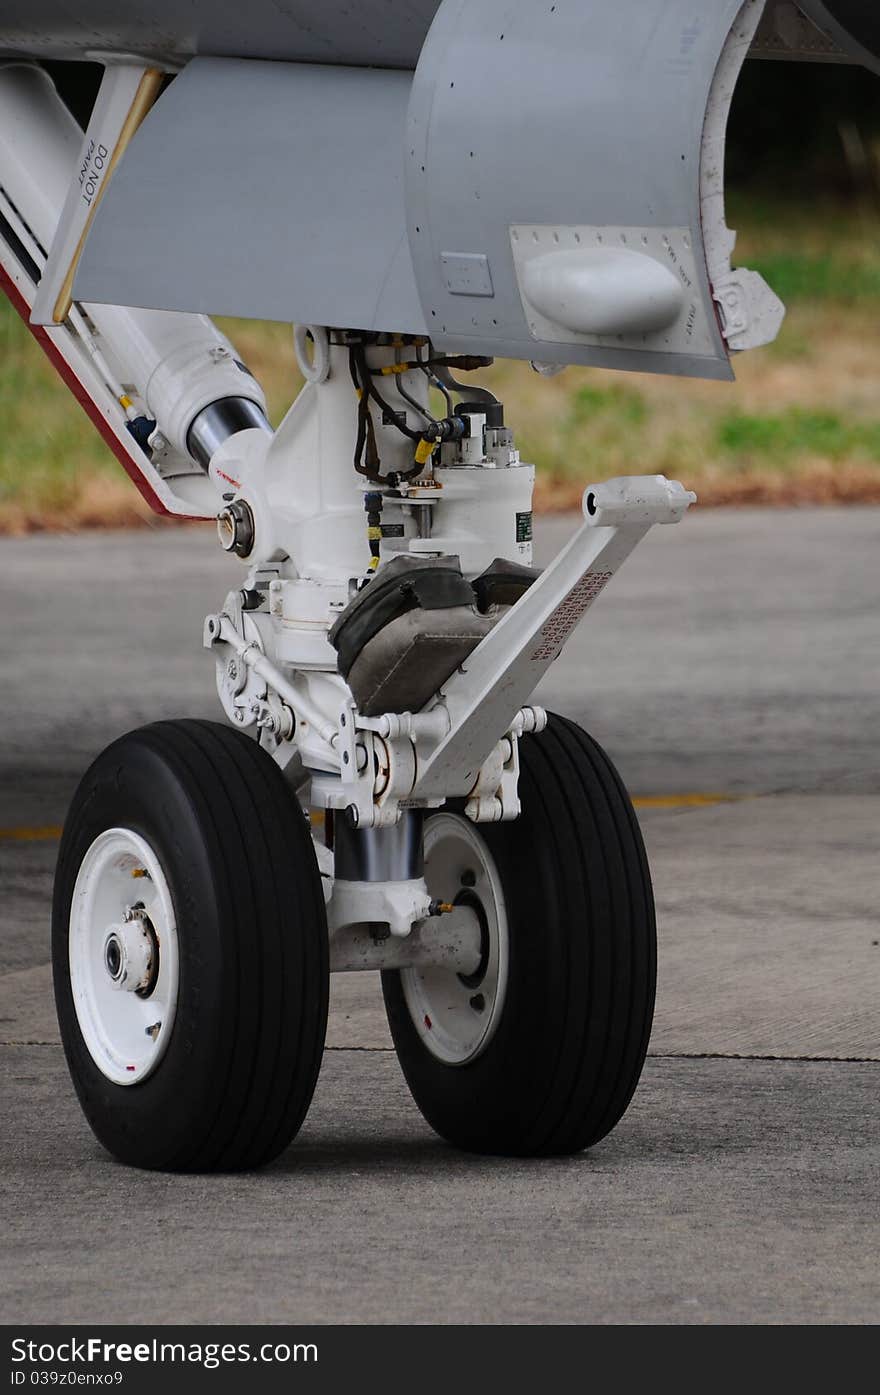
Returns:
point(399, 905)
point(450, 941)
point(124, 963)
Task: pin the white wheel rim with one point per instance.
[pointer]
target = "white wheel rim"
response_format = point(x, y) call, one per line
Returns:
point(455, 1019)
point(124, 963)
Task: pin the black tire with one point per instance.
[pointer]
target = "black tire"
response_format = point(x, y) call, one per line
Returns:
point(570, 1044)
point(244, 1051)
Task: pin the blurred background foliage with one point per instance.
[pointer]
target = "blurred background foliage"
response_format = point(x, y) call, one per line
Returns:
point(802, 424)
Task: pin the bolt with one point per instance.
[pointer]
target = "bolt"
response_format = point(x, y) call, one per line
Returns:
point(232, 669)
point(238, 714)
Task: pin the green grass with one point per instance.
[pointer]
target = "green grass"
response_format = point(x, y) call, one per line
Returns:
point(826, 276)
point(47, 443)
point(797, 432)
point(619, 405)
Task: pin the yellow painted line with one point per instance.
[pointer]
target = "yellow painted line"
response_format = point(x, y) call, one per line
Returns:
point(48, 833)
point(683, 801)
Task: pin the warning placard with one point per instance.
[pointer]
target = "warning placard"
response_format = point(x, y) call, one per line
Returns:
point(567, 614)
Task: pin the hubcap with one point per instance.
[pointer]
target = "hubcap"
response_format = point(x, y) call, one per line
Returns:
point(124, 963)
point(456, 1016)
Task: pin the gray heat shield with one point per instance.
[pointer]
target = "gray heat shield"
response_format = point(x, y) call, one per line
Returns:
point(411, 627)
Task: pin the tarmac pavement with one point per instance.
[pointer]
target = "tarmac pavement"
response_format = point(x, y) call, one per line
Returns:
point(733, 672)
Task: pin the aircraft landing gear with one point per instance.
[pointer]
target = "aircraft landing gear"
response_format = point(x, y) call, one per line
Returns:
point(190, 951)
point(191, 956)
point(538, 1051)
point(388, 797)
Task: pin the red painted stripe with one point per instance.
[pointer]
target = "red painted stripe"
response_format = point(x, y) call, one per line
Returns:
point(92, 410)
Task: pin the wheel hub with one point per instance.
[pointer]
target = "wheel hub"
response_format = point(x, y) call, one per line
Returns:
point(123, 957)
point(456, 1015)
point(131, 954)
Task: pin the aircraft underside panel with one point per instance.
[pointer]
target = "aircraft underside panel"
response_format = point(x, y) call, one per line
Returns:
point(387, 33)
point(268, 190)
point(382, 33)
point(537, 190)
point(548, 184)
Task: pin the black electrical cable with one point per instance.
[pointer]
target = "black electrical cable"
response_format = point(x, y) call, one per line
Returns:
point(364, 384)
point(361, 433)
point(371, 467)
point(366, 438)
point(422, 411)
point(369, 386)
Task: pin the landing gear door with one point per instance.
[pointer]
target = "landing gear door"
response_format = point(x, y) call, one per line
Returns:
point(557, 177)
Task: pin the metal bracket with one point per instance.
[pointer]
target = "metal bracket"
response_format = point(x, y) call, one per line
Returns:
point(751, 312)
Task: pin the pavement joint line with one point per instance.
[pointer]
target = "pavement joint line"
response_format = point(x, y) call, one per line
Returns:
point(30, 1043)
point(652, 1055)
point(760, 1056)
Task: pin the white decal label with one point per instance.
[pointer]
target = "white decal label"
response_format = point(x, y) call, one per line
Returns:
point(92, 169)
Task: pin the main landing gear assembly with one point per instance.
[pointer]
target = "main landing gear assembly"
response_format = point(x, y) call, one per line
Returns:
point(386, 794)
point(387, 797)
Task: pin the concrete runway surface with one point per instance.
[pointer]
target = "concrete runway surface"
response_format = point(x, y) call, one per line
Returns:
point(733, 671)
